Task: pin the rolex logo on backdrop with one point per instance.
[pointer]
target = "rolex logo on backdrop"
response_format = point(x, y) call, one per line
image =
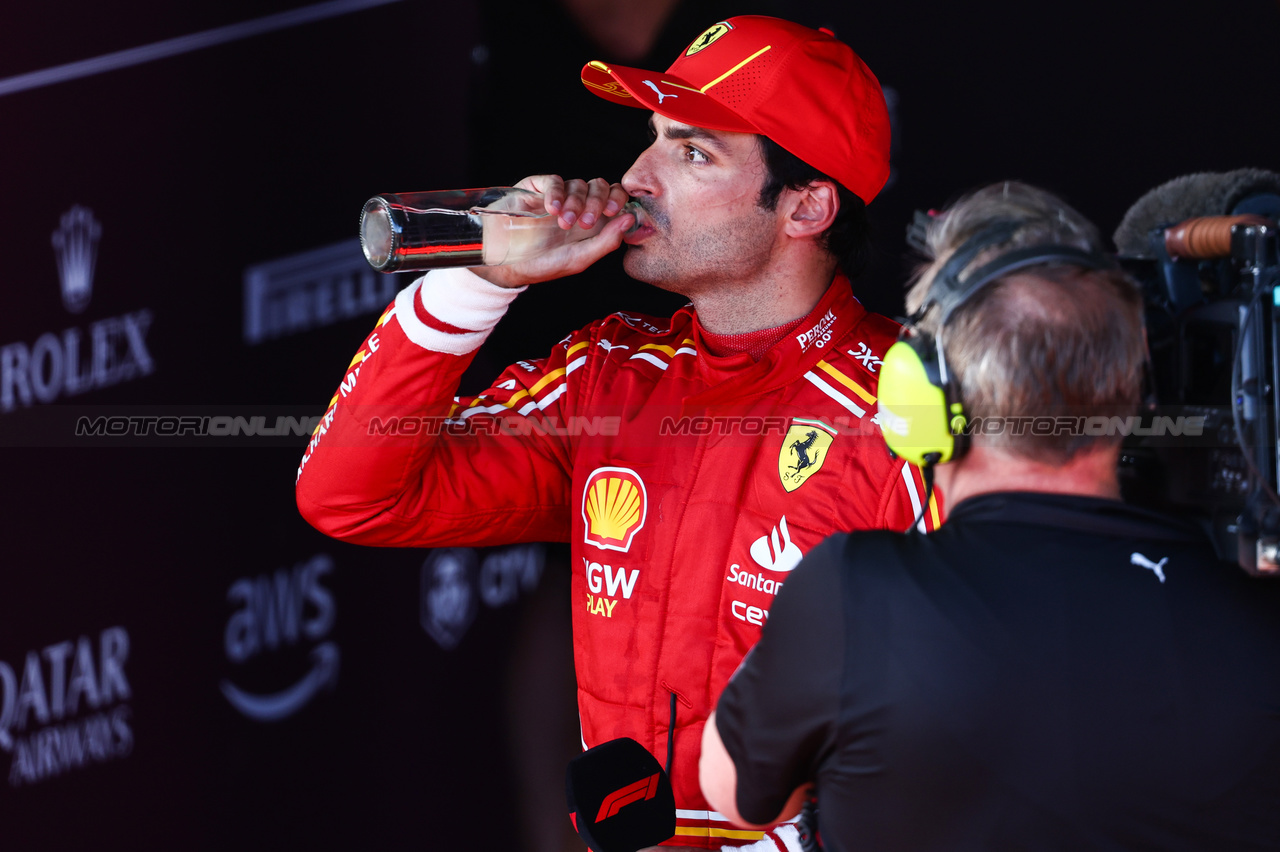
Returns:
point(76, 245)
point(77, 359)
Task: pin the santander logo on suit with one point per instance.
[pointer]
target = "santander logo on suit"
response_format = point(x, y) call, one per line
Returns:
point(774, 552)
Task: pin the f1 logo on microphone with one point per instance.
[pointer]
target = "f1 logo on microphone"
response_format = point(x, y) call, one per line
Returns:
point(642, 790)
point(623, 786)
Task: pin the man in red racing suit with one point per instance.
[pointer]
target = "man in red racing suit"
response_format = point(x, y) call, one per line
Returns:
point(689, 467)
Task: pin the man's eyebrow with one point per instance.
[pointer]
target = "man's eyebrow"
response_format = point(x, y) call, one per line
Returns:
point(687, 131)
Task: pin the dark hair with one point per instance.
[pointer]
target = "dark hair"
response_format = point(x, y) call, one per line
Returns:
point(849, 237)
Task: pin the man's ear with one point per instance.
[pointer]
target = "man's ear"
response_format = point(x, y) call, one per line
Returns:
point(809, 211)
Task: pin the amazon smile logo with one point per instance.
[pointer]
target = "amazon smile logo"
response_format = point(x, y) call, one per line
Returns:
point(275, 614)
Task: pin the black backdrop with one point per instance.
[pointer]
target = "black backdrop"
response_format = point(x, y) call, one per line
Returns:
point(152, 585)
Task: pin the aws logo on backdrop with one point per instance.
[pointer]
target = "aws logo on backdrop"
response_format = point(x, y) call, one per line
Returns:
point(78, 359)
point(285, 614)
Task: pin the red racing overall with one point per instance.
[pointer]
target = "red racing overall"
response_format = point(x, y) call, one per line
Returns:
point(688, 485)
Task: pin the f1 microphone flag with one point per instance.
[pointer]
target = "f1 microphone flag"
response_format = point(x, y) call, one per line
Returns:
point(620, 798)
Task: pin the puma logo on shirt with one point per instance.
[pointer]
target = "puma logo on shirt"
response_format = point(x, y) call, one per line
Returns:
point(1156, 568)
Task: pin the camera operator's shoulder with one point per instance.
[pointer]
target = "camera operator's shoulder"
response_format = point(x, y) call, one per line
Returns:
point(1241, 583)
point(879, 327)
point(867, 570)
point(1220, 606)
point(872, 551)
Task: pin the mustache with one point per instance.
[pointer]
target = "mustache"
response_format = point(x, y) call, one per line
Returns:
point(651, 211)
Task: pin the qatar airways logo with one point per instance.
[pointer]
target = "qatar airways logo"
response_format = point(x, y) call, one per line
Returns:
point(65, 707)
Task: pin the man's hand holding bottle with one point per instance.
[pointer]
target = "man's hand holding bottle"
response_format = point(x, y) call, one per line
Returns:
point(593, 216)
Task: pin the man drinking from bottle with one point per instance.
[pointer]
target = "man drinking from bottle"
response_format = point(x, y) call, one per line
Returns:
point(689, 460)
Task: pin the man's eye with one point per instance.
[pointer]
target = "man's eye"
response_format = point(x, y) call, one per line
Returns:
point(693, 155)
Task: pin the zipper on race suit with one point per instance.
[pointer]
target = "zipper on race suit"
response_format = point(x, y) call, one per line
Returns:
point(671, 735)
point(671, 728)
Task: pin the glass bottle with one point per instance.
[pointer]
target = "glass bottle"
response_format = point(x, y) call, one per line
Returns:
point(492, 226)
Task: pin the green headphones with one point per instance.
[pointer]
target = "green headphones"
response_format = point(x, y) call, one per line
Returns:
point(921, 414)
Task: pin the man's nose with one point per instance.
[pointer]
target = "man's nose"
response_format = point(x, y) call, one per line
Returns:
point(638, 179)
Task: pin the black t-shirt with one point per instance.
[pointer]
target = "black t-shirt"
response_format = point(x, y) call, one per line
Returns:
point(1043, 672)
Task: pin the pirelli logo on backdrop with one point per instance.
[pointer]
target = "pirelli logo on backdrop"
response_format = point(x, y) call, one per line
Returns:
point(311, 290)
point(614, 506)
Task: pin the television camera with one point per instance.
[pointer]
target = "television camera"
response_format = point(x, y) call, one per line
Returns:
point(1206, 250)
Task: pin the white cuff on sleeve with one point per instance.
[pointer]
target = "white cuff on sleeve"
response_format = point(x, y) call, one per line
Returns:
point(456, 297)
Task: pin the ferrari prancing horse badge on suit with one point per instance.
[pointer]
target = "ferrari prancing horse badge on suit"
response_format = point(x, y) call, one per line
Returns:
point(804, 449)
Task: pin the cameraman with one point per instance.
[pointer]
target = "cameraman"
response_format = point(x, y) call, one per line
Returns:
point(1051, 669)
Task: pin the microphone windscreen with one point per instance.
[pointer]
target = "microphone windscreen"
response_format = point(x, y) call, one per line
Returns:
point(620, 799)
point(1187, 197)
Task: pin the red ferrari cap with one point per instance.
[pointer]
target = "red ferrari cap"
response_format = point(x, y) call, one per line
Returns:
point(753, 74)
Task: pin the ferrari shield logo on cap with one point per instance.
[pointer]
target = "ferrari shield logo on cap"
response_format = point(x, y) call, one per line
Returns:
point(804, 449)
point(614, 506)
point(709, 37)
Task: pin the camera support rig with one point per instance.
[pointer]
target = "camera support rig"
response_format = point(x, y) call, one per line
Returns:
point(1212, 291)
point(1255, 383)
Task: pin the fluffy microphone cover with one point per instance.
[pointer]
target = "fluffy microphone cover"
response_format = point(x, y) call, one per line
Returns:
point(1202, 194)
